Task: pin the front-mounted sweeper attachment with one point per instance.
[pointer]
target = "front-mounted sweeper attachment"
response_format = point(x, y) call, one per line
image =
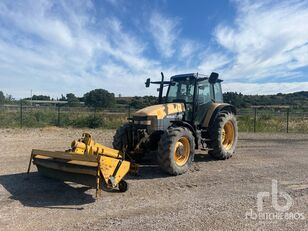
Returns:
point(86, 162)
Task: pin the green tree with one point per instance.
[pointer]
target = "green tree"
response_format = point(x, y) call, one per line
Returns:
point(144, 101)
point(40, 97)
point(9, 98)
point(72, 100)
point(99, 98)
point(2, 97)
point(62, 98)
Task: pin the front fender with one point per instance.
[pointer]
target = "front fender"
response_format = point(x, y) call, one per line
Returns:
point(180, 123)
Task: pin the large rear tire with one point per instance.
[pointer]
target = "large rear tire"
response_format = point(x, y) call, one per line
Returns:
point(223, 135)
point(119, 137)
point(176, 150)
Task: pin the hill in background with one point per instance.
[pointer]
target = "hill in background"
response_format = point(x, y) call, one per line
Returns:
point(296, 99)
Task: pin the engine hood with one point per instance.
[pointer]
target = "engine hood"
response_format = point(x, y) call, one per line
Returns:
point(161, 110)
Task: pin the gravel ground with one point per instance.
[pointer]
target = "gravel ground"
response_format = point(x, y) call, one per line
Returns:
point(213, 195)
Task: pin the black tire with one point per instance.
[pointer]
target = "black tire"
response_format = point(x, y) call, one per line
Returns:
point(222, 146)
point(119, 141)
point(119, 137)
point(123, 186)
point(166, 154)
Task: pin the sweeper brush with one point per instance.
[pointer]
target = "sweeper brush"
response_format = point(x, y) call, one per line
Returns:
point(86, 162)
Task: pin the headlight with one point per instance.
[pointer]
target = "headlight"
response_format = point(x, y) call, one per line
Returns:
point(143, 122)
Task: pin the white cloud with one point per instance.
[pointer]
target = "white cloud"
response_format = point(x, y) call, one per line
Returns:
point(213, 62)
point(165, 32)
point(69, 51)
point(172, 44)
point(56, 47)
point(268, 40)
point(265, 88)
point(187, 49)
point(36, 23)
point(62, 53)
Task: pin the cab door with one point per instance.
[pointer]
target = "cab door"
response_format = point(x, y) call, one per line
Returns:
point(203, 100)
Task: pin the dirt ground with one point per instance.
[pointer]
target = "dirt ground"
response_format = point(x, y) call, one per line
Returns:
point(213, 195)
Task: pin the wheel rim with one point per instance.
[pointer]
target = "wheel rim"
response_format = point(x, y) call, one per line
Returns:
point(181, 151)
point(227, 135)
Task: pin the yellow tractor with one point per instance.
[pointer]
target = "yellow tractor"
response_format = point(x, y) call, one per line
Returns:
point(191, 116)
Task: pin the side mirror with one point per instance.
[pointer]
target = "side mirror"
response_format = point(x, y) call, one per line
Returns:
point(148, 82)
point(213, 77)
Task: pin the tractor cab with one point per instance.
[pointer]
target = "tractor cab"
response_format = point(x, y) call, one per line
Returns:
point(195, 90)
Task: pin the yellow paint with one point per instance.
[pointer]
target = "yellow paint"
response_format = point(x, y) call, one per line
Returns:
point(108, 166)
point(181, 158)
point(102, 160)
point(228, 135)
point(86, 145)
point(161, 110)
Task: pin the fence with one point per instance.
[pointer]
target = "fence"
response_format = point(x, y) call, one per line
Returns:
point(41, 116)
point(256, 119)
point(273, 119)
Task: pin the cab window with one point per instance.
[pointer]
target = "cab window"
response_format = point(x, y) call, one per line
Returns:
point(181, 90)
point(218, 92)
point(204, 92)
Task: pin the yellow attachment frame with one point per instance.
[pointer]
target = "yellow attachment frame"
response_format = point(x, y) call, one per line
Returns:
point(86, 145)
point(85, 158)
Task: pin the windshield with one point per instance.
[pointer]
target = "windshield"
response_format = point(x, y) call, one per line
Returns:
point(181, 90)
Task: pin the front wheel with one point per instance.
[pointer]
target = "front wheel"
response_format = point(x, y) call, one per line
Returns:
point(119, 137)
point(223, 136)
point(120, 143)
point(176, 150)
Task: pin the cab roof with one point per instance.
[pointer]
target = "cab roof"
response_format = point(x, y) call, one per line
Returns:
point(197, 76)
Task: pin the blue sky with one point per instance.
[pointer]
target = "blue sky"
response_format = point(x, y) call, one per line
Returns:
point(57, 47)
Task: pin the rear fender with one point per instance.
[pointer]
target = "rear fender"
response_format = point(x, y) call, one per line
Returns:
point(213, 112)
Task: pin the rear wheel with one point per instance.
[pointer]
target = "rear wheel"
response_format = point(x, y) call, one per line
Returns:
point(176, 150)
point(223, 136)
